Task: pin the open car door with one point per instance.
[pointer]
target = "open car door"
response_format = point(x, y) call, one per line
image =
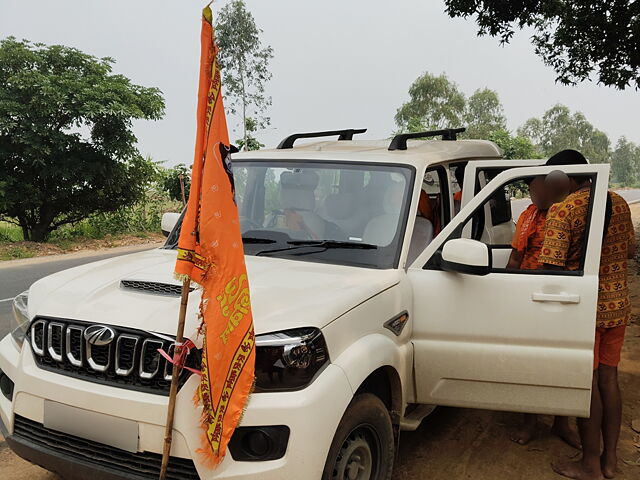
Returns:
point(505, 340)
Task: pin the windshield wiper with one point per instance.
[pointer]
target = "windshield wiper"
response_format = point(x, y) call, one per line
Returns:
point(250, 240)
point(324, 244)
point(333, 244)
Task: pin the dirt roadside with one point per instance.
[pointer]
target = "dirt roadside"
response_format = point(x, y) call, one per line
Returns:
point(11, 251)
point(457, 444)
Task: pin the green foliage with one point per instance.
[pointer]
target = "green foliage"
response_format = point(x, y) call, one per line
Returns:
point(579, 40)
point(244, 63)
point(435, 102)
point(9, 233)
point(484, 114)
point(625, 163)
point(67, 149)
point(15, 253)
point(559, 129)
point(514, 147)
point(252, 143)
point(143, 216)
point(170, 180)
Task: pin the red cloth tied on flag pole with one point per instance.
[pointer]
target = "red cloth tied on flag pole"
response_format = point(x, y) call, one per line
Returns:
point(210, 253)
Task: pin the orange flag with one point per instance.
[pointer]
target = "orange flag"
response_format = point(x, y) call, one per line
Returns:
point(210, 253)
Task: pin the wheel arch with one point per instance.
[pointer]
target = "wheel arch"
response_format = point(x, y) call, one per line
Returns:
point(378, 365)
point(384, 383)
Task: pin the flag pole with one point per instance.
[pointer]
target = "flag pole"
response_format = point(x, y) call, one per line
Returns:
point(168, 431)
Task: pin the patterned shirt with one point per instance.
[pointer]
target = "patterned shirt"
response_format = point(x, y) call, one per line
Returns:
point(534, 241)
point(563, 244)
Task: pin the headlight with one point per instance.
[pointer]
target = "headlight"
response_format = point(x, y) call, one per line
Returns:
point(289, 360)
point(20, 324)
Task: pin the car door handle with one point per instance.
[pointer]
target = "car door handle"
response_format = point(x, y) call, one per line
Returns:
point(555, 297)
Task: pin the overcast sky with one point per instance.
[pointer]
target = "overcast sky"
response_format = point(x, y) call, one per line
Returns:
point(338, 63)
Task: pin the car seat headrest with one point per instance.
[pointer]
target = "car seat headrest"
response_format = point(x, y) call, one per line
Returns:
point(297, 190)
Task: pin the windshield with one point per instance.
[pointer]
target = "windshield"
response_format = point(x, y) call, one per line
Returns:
point(343, 213)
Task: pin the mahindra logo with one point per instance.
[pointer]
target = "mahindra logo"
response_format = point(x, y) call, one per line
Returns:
point(99, 335)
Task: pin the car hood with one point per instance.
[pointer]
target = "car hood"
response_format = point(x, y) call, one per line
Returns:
point(285, 293)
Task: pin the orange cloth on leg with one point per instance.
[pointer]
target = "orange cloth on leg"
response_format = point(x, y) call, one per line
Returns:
point(608, 346)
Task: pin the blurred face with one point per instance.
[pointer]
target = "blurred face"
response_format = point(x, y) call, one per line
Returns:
point(558, 186)
point(539, 194)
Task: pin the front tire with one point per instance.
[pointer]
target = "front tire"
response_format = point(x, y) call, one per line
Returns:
point(363, 447)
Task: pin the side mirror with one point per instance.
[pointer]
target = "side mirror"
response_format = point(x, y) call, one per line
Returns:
point(169, 221)
point(463, 255)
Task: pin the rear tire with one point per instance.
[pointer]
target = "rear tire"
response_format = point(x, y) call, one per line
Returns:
point(363, 447)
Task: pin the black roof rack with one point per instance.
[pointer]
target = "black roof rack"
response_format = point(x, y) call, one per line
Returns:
point(346, 134)
point(399, 142)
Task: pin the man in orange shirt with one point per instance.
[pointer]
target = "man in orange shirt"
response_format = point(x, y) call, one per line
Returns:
point(527, 244)
point(563, 250)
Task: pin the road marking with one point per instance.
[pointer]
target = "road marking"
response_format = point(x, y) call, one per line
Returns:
point(6, 300)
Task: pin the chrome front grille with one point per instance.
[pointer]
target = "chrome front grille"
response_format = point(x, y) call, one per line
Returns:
point(154, 287)
point(130, 360)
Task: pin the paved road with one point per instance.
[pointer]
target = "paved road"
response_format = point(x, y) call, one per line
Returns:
point(16, 277)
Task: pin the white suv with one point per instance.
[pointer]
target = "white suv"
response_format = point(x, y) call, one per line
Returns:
point(354, 341)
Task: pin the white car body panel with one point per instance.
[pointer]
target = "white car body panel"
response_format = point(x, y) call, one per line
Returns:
point(285, 293)
point(490, 349)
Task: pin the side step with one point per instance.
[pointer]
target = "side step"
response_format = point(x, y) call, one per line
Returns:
point(414, 416)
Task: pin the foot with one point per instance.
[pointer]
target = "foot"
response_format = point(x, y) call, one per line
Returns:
point(576, 470)
point(567, 434)
point(609, 465)
point(524, 435)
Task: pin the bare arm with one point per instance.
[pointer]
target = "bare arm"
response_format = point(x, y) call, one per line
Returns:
point(548, 266)
point(515, 259)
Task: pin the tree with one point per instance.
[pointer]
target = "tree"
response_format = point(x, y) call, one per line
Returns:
point(67, 149)
point(484, 114)
point(577, 39)
point(170, 181)
point(249, 140)
point(625, 162)
point(559, 129)
point(514, 147)
point(434, 103)
point(244, 63)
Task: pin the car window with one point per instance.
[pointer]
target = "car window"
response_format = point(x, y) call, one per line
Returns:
point(355, 213)
point(500, 250)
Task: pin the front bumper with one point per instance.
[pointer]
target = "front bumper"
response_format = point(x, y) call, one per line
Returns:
point(312, 415)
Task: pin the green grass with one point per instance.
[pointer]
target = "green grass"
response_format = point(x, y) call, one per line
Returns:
point(10, 233)
point(15, 253)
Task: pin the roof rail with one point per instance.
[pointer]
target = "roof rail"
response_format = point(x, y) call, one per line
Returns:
point(399, 142)
point(346, 134)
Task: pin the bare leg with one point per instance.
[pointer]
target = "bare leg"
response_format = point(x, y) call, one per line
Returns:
point(562, 429)
point(528, 430)
point(588, 468)
point(611, 417)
